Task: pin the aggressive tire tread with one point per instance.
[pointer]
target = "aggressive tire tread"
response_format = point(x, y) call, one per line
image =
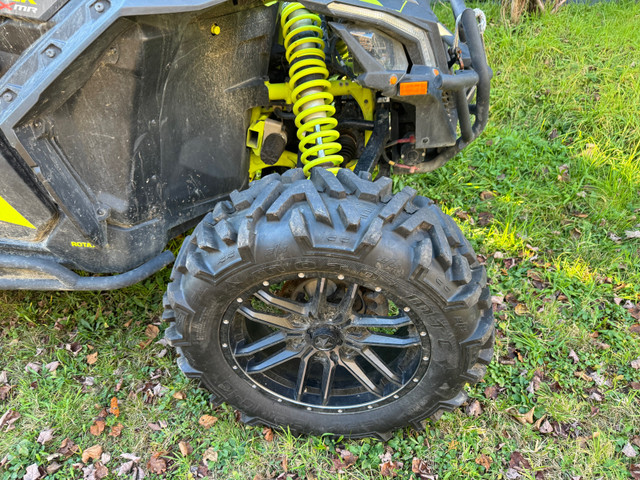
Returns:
point(217, 247)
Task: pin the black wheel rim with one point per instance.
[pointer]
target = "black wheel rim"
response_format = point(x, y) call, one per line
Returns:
point(325, 342)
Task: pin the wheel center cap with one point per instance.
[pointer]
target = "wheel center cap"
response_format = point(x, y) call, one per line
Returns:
point(325, 338)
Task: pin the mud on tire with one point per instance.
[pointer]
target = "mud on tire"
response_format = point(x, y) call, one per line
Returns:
point(330, 305)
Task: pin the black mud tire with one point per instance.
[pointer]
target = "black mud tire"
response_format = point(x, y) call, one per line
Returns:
point(348, 226)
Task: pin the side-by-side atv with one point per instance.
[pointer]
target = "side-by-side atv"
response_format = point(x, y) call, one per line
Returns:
point(308, 295)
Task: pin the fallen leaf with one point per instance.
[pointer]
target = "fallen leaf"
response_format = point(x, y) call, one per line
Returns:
point(629, 451)
point(3, 377)
point(526, 418)
point(474, 409)
point(179, 396)
point(114, 409)
point(92, 358)
point(210, 455)
point(421, 469)
point(485, 218)
point(151, 331)
point(130, 456)
point(484, 461)
point(492, 392)
point(45, 436)
point(348, 458)
point(635, 328)
point(68, 448)
point(100, 471)
point(632, 233)
point(4, 391)
point(545, 427)
point(267, 433)
point(634, 470)
point(53, 467)
point(574, 356)
point(521, 309)
point(487, 195)
point(156, 464)
point(154, 426)
point(33, 472)
point(207, 421)
point(635, 363)
point(52, 367)
point(34, 367)
point(185, 448)
point(518, 461)
point(388, 469)
point(91, 453)
point(97, 428)
point(8, 419)
point(116, 430)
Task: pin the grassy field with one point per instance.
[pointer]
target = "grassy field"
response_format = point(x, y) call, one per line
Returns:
point(549, 196)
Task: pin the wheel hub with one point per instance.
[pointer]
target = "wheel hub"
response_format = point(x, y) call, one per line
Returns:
point(325, 338)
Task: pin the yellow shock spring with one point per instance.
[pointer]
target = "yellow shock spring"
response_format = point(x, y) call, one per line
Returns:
point(312, 103)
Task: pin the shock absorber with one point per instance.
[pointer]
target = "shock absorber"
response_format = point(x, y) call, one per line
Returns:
point(308, 73)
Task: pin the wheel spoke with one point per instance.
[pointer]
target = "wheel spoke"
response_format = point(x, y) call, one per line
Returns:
point(269, 319)
point(260, 345)
point(302, 373)
point(326, 384)
point(346, 304)
point(319, 296)
point(372, 321)
point(382, 340)
point(274, 360)
point(360, 375)
point(282, 303)
point(380, 365)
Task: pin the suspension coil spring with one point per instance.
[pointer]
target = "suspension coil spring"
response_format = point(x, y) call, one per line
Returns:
point(312, 103)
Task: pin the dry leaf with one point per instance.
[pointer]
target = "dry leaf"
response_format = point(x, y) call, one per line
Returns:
point(33, 472)
point(521, 309)
point(629, 451)
point(68, 448)
point(8, 419)
point(267, 433)
point(574, 356)
point(210, 455)
point(388, 469)
point(526, 418)
point(491, 392)
point(179, 396)
point(97, 428)
point(114, 409)
point(207, 421)
point(91, 453)
point(101, 471)
point(545, 427)
point(92, 358)
point(34, 367)
point(487, 195)
point(4, 391)
point(156, 464)
point(185, 448)
point(116, 430)
point(474, 409)
point(635, 363)
point(52, 367)
point(45, 436)
point(154, 426)
point(632, 234)
point(151, 331)
point(484, 461)
point(518, 461)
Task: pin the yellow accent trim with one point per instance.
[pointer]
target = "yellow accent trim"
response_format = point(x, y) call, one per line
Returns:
point(11, 215)
point(373, 2)
point(402, 7)
point(82, 245)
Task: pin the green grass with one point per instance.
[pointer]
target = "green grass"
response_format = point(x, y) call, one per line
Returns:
point(561, 156)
